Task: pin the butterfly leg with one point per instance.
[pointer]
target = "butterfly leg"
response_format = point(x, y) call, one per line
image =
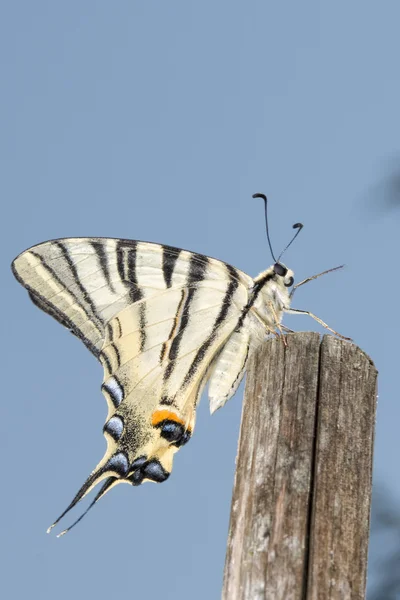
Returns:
point(287, 329)
point(277, 324)
point(296, 311)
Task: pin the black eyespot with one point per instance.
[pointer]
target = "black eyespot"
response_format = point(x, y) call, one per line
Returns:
point(174, 432)
point(155, 471)
point(290, 282)
point(280, 269)
point(135, 474)
point(138, 463)
point(137, 477)
point(185, 438)
point(171, 431)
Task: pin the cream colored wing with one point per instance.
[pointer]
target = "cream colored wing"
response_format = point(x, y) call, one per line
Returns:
point(230, 365)
point(156, 317)
point(85, 282)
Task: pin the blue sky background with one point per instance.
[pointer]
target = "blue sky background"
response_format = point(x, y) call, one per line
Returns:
point(158, 121)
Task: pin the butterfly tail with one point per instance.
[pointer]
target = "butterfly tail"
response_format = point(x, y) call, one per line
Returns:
point(114, 468)
point(103, 490)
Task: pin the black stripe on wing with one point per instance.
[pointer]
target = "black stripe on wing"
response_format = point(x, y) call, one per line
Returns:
point(52, 310)
point(177, 317)
point(221, 317)
point(168, 264)
point(197, 273)
point(253, 296)
point(86, 296)
point(126, 265)
point(127, 269)
point(103, 262)
point(136, 292)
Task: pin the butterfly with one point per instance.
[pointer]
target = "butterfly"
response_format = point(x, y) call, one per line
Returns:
point(163, 322)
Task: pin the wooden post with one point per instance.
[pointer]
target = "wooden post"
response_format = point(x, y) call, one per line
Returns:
point(300, 511)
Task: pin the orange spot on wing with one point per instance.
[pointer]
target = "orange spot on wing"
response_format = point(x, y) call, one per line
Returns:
point(163, 415)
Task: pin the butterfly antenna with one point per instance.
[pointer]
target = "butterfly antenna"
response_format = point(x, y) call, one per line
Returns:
point(314, 277)
point(264, 197)
point(104, 489)
point(299, 227)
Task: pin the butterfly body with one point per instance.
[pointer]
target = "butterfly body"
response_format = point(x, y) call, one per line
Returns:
point(163, 322)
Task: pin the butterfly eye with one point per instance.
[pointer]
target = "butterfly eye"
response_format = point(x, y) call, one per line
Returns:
point(280, 269)
point(290, 282)
point(174, 432)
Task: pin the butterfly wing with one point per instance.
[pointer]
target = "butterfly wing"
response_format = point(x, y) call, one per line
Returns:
point(156, 317)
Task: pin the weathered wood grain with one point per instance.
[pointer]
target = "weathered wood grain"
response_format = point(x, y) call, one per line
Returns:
point(270, 508)
point(303, 466)
point(343, 473)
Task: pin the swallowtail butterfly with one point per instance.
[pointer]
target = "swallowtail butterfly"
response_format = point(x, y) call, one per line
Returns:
point(162, 321)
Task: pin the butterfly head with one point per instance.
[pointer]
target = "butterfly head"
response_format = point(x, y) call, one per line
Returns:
point(285, 273)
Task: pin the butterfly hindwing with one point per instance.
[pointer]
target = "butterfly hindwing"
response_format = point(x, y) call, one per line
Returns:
point(156, 317)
